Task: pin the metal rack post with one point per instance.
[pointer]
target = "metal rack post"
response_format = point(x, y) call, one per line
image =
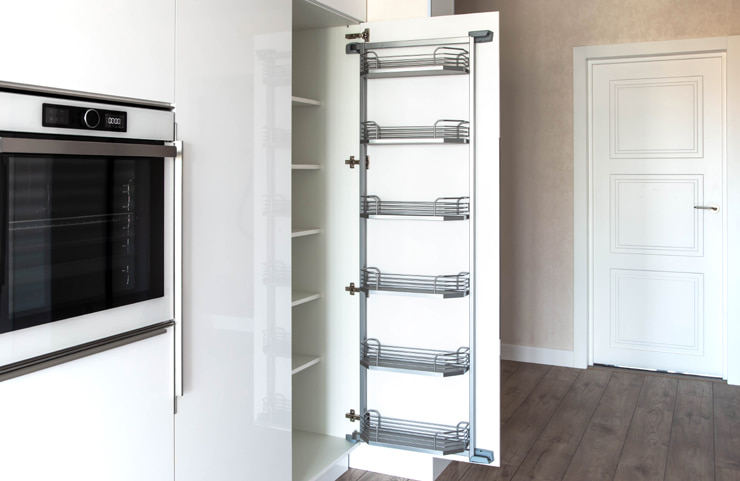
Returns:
point(363, 239)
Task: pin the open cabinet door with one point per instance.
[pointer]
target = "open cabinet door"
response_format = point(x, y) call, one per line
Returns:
point(407, 328)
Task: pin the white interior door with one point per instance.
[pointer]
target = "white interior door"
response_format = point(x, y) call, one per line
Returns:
point(657, 141)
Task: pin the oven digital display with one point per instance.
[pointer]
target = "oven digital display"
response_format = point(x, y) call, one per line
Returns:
point(84, 118)
point(56, 116)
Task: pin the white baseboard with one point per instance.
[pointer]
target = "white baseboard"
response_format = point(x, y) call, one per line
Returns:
point(537, 355)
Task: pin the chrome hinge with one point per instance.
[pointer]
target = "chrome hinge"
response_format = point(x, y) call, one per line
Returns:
point(352, 162)
point(352, 290)
point(352, 416)
point(365, 35)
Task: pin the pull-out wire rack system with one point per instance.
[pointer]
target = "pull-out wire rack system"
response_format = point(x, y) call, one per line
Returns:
point(443, 131)
point(441, 61)
point(376, 356)
point(447, 286)
point(418, 436)
point(442, 208)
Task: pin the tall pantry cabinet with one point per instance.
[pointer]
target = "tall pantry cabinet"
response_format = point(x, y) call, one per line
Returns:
point(395, 278)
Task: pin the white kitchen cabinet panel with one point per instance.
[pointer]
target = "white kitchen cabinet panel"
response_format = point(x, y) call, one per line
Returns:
point(233, 101)
point(353, 10)
point(124, 49)
point(107, 416)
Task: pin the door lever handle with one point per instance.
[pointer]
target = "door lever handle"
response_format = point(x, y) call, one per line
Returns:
point(713, 208)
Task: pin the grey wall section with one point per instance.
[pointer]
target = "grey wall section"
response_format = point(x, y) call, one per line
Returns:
point(537, 40)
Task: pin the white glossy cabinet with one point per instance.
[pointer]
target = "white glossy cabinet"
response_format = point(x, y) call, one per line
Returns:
point(271, 240)
point(233, 105)
point(354, 10)
point(124, 49)
point(107, 416)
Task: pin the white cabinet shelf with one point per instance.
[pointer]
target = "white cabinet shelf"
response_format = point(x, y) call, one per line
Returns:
point(302, 297)
point(301, 362)
point(315, 454)
point(304, 231)
point(305, 166)
point(304, 102)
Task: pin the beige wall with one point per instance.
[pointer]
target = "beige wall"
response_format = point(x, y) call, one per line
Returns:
point(537, 40)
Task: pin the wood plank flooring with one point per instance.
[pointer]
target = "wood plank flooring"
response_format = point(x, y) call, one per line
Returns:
point(599, 424)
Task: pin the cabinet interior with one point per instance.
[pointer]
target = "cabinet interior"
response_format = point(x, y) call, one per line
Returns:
point(382, 252)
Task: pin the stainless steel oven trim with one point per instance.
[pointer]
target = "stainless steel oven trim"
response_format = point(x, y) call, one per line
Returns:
point(177, 268)
point(73, 353)
point(20, 145)
point(84, 96)
point(172, 152)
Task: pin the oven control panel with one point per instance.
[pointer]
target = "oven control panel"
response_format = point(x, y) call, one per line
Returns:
point(71, 117)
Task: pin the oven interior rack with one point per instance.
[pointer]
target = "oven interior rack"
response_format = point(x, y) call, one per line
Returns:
point(412, 435)
point(376, 356)
point(447, 286)
point(443, 131)
point(443, 208)
point(441, 61)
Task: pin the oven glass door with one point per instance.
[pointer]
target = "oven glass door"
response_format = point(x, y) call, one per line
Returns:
point(80, 234)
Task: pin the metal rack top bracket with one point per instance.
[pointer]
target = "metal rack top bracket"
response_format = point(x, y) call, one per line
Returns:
point(479, 36)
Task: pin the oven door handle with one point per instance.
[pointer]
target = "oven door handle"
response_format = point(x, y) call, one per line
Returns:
point(18, 145)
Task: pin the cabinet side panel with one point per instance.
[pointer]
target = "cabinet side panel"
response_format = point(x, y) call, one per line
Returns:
point(233, 113)
point(487, 282)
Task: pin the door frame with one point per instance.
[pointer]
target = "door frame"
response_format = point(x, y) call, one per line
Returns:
point(583, 189)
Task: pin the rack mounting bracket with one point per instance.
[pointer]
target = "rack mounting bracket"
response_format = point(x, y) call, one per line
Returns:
point(481, 36)
point(482, 456)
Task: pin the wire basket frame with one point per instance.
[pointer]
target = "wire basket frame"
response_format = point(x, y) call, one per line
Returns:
point(448, 208)
point(443, 130)
point(450, 59)
point(414, 435)
point(452, 285)
point(424, 361)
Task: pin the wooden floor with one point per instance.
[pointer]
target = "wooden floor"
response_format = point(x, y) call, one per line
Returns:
point(606, 424)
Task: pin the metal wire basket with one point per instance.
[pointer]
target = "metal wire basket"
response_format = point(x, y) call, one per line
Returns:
point(414, 435)
point(453, 285)
point(423, 361)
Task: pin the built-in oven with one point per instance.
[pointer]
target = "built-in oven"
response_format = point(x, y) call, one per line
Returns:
point(87, 221)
